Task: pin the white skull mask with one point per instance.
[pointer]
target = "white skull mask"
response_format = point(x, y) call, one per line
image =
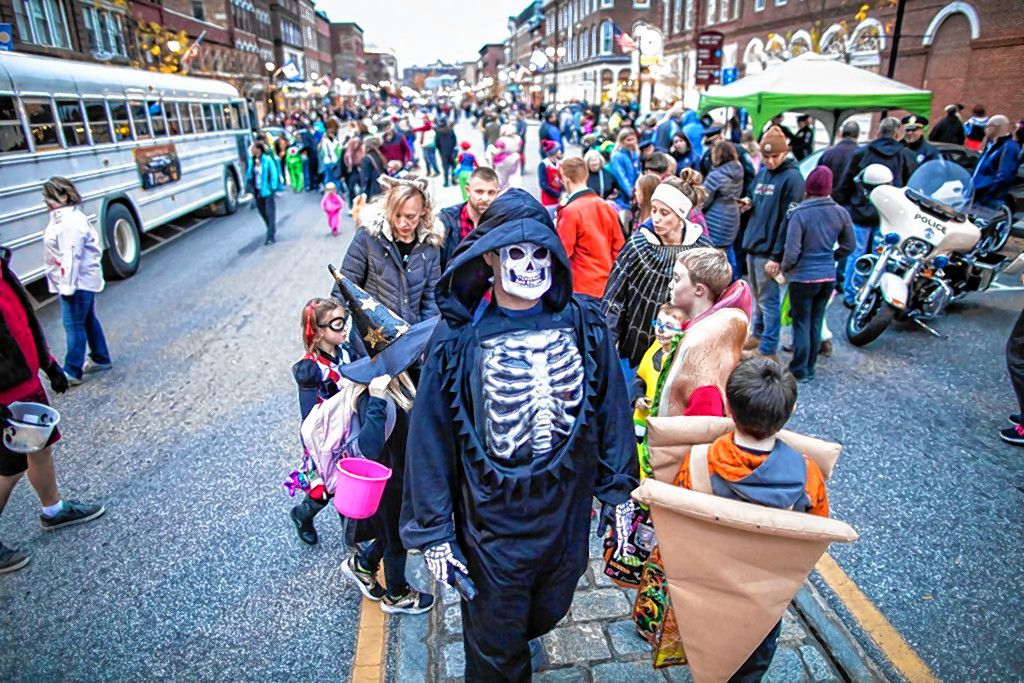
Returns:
point(526, 270)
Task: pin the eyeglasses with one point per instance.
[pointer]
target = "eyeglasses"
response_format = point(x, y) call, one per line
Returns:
point(660, 327)
point(337, 324)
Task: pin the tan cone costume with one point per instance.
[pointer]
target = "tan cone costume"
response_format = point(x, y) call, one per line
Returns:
point(729, 564)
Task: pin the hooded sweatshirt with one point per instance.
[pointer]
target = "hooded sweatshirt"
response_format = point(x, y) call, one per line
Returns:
point(774, 193)
point(851, 194)
point(782, 478)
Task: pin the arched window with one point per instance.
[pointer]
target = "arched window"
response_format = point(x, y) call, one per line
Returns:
point(606, 38)
point(596, 49)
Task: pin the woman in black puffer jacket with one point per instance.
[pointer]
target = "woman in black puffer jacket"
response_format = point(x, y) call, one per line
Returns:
point(395, 255)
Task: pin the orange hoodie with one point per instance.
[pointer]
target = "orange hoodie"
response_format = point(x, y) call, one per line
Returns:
point(735, 466)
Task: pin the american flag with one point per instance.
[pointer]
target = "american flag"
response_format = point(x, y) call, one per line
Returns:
point(192, 51)
point(626, 43)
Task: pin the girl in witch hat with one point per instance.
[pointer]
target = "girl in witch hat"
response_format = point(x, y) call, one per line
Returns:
point(382, 394)
point(325, 328)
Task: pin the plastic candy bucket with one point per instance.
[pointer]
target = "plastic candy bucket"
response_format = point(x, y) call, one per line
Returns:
point(359, 487)
point(30, 427)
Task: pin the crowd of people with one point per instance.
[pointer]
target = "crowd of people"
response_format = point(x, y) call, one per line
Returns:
point(650, 276)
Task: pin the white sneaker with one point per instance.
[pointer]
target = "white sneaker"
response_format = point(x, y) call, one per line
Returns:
point(92, 366)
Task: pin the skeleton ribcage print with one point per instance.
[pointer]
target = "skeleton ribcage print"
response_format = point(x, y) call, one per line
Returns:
point(532, 387)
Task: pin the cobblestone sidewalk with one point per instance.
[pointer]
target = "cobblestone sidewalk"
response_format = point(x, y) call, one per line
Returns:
point(595, 642)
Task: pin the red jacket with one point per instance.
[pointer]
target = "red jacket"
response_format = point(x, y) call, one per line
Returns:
point(589, 229)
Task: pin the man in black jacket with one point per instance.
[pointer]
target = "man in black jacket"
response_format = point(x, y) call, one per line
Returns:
point(950, 129)
point(459, 220)
point(913, 139)
point(803, 139)
point(851, 193)
point(777, 186)
point(838, 157)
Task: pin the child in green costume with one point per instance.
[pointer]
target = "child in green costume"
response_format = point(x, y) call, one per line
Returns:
point(293, 162)
point(465, 165)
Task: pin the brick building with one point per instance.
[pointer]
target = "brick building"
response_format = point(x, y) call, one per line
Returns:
point(492, 56)
point(91, 31)
point(310, 52)
point(381, 65)
point(526, 33)
point(323, 43)
point(963, 51)
point(593, 66)
point(347, 49)
point(286, 29)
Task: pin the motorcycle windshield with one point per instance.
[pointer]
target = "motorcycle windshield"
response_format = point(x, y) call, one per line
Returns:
point(944, 182)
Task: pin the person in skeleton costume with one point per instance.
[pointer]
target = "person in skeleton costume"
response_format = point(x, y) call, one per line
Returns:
point(528, 421)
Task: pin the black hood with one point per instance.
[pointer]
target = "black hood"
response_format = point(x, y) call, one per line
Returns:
point(512, 218)
point(886, 147)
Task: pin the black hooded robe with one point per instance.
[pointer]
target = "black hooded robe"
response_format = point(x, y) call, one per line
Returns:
point(523, 523)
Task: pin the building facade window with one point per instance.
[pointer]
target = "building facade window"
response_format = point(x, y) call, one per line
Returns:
point(780, 3)
point(197, 10)
point(759, 5)
point(106, 30)
point(607, 4)
point(641, 4)
point(712, 12)
point(43, 22)
point(606, 38)
point(290, 33)
point(724, 11)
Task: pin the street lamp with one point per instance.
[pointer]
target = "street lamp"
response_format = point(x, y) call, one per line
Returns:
point(269, 66)
point(555, 55)
point(313, 75)
point(174, 46)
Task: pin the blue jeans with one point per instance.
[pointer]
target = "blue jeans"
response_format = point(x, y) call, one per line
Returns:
point(430, 156)
point(851, 280)
point(730, 254)
point(82, 327)
point(768, 314)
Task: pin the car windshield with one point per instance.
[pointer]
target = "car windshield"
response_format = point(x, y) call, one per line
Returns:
point(944, 182)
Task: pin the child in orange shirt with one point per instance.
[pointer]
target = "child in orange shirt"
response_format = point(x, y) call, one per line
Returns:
point(750, 464)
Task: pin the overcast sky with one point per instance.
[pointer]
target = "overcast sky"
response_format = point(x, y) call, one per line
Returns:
point(422, 31)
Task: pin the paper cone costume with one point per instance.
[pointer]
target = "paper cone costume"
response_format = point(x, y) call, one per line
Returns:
point(732, 567)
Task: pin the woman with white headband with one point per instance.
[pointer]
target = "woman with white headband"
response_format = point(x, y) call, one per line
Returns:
point(638, 283)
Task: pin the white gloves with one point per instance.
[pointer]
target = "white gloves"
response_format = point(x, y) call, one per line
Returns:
point(441, 560)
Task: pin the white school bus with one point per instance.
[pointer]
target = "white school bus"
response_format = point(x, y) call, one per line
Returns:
point(143, 148)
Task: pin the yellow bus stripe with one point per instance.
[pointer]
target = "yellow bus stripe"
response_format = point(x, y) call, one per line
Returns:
point(873, 622)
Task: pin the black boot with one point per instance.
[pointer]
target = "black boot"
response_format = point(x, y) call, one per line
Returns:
point(302, 515)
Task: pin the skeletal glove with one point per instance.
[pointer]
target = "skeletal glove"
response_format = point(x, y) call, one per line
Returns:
point(5, 415)
point(620, 519)
point(443, 560)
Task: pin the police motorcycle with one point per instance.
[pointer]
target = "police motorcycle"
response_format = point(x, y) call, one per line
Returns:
point(935, 249)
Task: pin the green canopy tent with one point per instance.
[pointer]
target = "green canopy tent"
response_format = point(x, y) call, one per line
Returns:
point(824, 88)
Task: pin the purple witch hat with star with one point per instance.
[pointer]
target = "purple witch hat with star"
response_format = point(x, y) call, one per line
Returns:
point(391, 342)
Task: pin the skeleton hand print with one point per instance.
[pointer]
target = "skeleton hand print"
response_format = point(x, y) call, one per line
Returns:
point(623, 524)
point(441, 561)
point(532, 386)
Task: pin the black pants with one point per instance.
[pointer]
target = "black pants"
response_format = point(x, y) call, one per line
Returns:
point(387, 546)
point(1015, 359)
point(754, 669)
point(267, 206)
point(447, 166)
point(807, 302)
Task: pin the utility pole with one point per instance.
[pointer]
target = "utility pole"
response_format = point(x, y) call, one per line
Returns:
point(897, 29)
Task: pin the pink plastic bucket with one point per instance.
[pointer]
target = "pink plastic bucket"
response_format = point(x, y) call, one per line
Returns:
point(359, 487)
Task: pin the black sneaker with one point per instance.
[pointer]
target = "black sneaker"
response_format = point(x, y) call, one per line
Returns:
point(72, 513)
point(1017, 419)
point(413, 602)
point(1013, 435)
point(364, 578)
point(11, 560)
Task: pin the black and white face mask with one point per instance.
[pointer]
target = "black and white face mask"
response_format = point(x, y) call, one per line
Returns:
point(526, 270)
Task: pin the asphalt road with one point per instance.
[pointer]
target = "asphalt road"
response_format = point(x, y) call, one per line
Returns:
point(195, 571)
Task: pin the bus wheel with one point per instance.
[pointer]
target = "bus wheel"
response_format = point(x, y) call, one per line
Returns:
point(121, 258)
point(230, 194)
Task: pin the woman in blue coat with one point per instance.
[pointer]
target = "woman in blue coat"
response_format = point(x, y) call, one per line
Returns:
point(263, 175)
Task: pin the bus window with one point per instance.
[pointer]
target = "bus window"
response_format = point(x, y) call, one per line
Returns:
point(233, 116)
point(138, 110)
point(12, 135)
point(187, 127)
point(70, 114)
point(210, 116)
point(156, 117)
point(99, 126)
point(197, 117)
point(119, 115)
point(173, 118)
point(41, 123)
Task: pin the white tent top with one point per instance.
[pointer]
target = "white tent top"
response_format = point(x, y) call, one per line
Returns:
point(823, 87)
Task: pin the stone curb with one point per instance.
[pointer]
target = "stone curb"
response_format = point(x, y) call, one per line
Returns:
point(846, 652)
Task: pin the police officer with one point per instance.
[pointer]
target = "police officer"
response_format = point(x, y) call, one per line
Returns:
point(913, 139)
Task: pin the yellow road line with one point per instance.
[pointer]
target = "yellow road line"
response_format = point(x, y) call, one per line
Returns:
point(369, 664)
point(874, 623)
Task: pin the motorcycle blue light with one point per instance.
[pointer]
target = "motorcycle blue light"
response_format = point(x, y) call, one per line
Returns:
point(892, 238)
point(941, 261)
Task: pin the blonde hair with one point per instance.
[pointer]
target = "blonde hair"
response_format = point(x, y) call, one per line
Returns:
point(61, 191)
point(691, 184)
point(709, 267)
point(399, 194)
point(400, 389)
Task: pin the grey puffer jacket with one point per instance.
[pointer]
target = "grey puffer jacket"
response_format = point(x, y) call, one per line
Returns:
point(374, 263)
point(724, 185)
